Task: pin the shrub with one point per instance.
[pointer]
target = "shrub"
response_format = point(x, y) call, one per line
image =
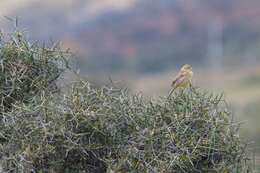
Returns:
point(99, 130)
point(90, 130)
point(26, 69)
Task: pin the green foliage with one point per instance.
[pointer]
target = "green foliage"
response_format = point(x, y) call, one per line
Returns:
point(88, 130)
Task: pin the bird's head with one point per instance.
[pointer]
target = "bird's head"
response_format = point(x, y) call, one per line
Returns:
point(186, 67)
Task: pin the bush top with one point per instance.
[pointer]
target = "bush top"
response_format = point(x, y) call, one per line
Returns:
point(26, 69)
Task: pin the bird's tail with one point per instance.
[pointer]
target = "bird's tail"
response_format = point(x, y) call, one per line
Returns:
point(170, 93)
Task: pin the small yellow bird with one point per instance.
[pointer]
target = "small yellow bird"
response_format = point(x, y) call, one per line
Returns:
point(183, 79)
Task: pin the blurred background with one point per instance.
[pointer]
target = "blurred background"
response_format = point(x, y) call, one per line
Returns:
point(141, 44)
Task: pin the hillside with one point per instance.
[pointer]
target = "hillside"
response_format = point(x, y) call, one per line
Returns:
point(166, 33)
point(148, 36)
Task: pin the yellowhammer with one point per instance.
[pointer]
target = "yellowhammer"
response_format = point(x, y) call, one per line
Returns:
point(183, 79)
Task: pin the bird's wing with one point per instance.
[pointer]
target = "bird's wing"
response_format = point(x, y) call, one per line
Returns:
point(180, 77)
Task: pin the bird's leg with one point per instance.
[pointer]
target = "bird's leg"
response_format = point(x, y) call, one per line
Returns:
point(182, 90)
point(190, 87)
